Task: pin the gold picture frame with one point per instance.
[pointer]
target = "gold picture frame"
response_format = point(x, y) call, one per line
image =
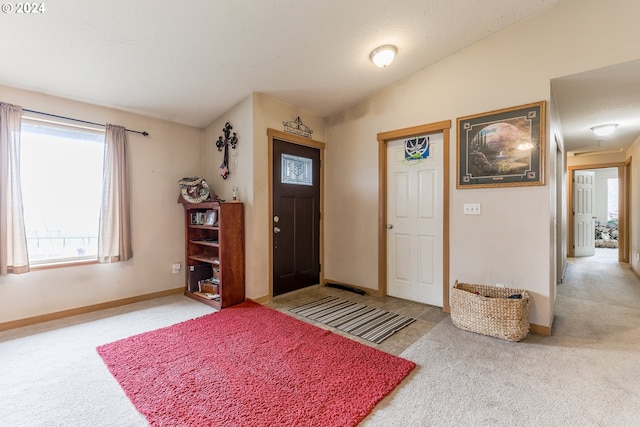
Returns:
point(502, 148)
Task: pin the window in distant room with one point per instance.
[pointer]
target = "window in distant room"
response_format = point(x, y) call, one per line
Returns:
point(61, 172)
point(612, 200)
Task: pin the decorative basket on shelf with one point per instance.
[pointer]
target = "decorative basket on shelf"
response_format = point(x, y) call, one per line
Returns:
point(491, 310)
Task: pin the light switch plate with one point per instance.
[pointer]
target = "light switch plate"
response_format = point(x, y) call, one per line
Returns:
point(472, 208)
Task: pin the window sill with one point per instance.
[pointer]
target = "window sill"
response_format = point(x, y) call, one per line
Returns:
point(62, 264)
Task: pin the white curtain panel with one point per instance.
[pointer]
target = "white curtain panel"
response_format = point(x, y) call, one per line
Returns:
point(14, 257)
point(114, 238)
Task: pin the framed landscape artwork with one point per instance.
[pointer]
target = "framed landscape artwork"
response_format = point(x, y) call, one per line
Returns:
point(502, 148)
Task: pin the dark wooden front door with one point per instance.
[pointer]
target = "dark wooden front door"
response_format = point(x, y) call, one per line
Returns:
point(296, 216)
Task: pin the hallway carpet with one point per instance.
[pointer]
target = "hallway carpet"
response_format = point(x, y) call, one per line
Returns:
point(585, 374)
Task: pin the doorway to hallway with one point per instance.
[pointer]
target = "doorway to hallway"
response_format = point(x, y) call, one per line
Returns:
point(597, 217)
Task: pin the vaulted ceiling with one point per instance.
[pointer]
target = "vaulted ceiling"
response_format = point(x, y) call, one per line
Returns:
point(190, 61)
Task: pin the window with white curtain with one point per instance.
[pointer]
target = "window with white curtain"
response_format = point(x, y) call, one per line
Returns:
point(61, 172)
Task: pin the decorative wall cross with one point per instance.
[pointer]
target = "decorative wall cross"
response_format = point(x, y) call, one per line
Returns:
point(232, 140)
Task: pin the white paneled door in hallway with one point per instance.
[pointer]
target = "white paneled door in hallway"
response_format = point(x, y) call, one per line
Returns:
point(414, 219)
point(583, 213)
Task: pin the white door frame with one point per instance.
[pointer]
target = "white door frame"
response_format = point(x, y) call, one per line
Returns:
point(384, 137)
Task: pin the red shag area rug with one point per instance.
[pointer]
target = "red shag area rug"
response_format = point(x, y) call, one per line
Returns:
point(249, 365)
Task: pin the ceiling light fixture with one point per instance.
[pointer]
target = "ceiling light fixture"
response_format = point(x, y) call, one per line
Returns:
point(383, 55)
point(604, 130)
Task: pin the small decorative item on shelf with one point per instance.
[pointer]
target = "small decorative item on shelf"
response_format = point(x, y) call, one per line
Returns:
point(208, 286)
point(193, 218)
point(196, 190)
point(210, 218)
point(197, 218)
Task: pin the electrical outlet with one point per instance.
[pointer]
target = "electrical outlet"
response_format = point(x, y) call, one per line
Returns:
point(176, 267)
point(472, 208)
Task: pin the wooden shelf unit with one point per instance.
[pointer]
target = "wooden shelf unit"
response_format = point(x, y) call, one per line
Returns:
point(221, 245)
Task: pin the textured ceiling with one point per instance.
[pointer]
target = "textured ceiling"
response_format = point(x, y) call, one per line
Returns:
point(190, 61)
point(606, 95)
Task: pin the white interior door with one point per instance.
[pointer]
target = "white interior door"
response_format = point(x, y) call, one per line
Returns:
point(583, 213)
point(415, 223)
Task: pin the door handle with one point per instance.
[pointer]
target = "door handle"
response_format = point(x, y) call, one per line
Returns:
point(389, 226)
point(276, 230)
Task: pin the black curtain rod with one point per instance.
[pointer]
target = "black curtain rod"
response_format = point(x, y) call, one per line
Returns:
point(143, 133)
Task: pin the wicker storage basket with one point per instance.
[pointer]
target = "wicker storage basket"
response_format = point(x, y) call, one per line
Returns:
point(487, 310)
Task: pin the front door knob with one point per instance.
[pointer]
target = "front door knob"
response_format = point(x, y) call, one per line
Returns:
point(276, 230)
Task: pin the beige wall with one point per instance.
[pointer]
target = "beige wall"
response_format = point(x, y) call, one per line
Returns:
point(270, 113)
point(510, 242)
point(158, 162)
point(634, 244)
point(241, 172)
point(251, 118)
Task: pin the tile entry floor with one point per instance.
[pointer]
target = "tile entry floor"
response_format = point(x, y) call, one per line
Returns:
point(426, 316)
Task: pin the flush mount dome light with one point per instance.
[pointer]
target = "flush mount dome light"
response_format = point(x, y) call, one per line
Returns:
point(604, 130)
point(383, 55)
